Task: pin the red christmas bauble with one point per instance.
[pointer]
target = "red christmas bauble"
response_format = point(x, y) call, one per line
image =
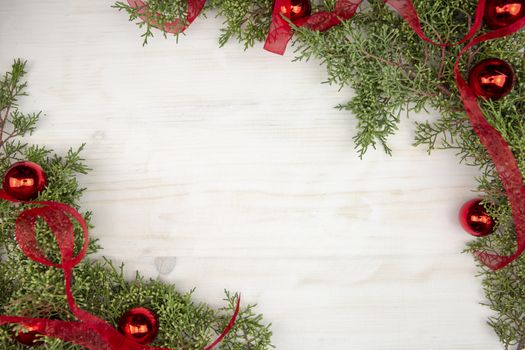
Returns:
point(501, 13)
point(475, 220)
point(298, 9)
point(24, 180)
point(139, 324)
point(491, 78)
point(29, 336)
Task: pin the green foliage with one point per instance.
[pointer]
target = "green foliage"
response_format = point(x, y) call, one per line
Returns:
point(163, 12)
point(393, 72)
point(244, 19)
point(30, 289)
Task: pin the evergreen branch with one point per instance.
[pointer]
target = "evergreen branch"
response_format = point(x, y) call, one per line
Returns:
point(11, 88)
point(33, 290)
point(245, 20)
point(163, 12)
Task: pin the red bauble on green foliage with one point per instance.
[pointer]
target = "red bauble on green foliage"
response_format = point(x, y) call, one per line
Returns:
point(298, 9)
point(29, 336)
point(501, 13)
point(24, 180)
point(491, 78)
point(139, 324)
point(475, 220)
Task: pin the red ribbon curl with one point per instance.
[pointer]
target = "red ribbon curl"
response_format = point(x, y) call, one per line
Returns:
point(496, 146)
point(506, 165)
point(280, 31)
point(177, 26)
point(89, 331)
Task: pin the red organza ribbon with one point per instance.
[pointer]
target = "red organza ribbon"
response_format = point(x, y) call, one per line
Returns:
point(176, 26)
point(280, 31)
point(500, 152)
point(496, 146)
point(89, 331)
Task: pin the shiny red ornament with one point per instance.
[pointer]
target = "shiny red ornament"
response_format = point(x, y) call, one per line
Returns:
point(24, 180)
point(139, 324)
point(491, 78)
point(475, 220)
point(29, 336)
point(501, 13)
point(88, 331)
point(298, 9)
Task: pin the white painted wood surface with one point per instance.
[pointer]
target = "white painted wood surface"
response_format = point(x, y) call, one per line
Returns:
point(219, 168)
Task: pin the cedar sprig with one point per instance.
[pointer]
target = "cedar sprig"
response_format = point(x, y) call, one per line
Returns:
point(161, 12)
point(392, 73)
point(31, 289)
point(245, 20)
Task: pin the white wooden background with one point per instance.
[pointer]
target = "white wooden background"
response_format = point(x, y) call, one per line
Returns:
point(219, 168)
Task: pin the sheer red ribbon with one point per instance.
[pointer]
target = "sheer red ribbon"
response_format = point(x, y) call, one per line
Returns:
point(498, 149)
point(280, 31)
point(89, 331)
point(496, 146)
point(177, 26)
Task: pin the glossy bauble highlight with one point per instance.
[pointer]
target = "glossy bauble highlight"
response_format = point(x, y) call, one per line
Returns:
point(24, 180)
point(140, 325)
point(491, 79)
point(298, 9)
point(475, 220)
point(501, 13)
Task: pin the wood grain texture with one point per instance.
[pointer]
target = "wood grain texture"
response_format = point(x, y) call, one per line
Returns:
point(219, 168)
